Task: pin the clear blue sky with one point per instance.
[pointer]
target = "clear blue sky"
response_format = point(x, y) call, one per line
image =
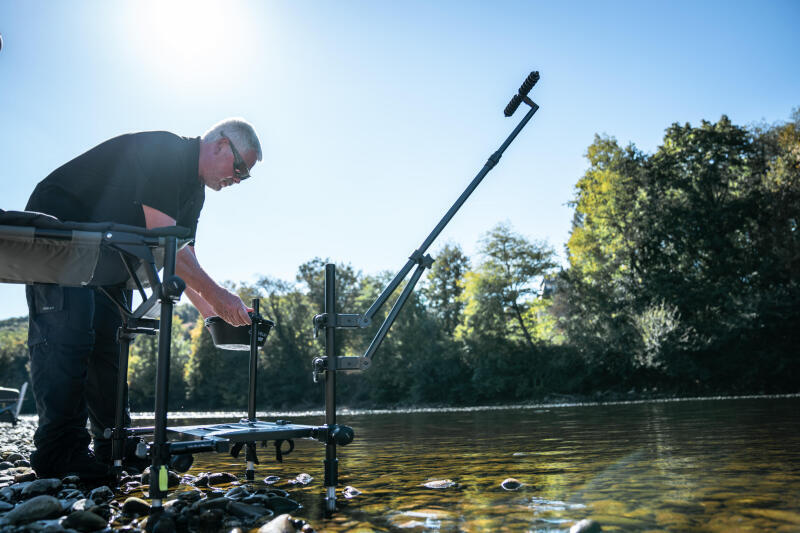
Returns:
point(375, 115)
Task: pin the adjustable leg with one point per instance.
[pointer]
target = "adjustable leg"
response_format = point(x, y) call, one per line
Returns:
point(120, 432)
point(170, 291)
point(331, 461)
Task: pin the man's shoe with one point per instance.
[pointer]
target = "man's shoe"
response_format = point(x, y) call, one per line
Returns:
point(81, 463)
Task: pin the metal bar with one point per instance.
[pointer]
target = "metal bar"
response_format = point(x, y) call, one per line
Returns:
point(160, 448)
point(398, 305)
point(419, 252)
point(331, 462)
point(492, 161)
point(250, 454)
point(119, 434)
point(251, 396)
point(133, 276)
point(388, 291)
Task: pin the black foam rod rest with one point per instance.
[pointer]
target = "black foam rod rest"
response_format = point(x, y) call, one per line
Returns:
point(512, 105)
point(529, 82)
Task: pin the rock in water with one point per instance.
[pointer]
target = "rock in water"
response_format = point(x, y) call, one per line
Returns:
point(280, 524)
point(586, 526)
point(84, 521)
point(511, 484)
point(280, 505)
point(221, 477)
point(350, 492)
point(302, 479)
point(271, 480)
point(36, 508)
point(246, 511)
point(440, 484)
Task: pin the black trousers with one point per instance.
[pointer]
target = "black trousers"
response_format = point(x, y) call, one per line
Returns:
point(74, 364)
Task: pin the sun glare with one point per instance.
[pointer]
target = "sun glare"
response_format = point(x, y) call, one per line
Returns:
point(184, 41)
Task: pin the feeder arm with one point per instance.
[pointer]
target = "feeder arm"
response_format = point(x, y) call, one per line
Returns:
point(418, 258)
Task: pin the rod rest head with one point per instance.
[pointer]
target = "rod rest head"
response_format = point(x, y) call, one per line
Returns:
point(229, 337)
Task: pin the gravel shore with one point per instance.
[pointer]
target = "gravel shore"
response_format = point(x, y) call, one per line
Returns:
point(209, 502)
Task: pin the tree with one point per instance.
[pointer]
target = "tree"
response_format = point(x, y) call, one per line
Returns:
point(500, 292)
point(445, 284)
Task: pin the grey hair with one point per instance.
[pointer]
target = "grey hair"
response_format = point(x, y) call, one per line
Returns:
point(239, 131)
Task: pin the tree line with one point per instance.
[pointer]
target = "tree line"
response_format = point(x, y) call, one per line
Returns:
point(681, 278)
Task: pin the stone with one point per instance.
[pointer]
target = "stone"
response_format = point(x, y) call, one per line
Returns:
point(280, 524)
point(84, 521)
point(220, 478)
point(101, 494)
point(246, 511)
point(22, 462)
point(301, 479)
point(165, 524)
point(13, 457)
point(256, 499)
point(440, 484)
point(209, 520)
point(511, 484)
point(42, 486)
point(210, 503)
point(237, 493)
point(5, 465)
point(280, 505)
point(135, 506)
point(70, 480)
point(37, 508)
point(586, 526)
point(5, 506)
point(190, 495)
point(271, 480)
point(350, 492)
point(24, 474)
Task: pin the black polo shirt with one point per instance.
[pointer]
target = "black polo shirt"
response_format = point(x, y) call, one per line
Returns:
point(110, 182)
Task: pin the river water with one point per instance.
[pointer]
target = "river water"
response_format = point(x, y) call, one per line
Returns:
point(690, 465)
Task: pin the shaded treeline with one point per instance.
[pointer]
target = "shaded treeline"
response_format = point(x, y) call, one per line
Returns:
point(682, 277)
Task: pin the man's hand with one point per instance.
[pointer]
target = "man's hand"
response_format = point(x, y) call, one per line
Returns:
point(230, 308)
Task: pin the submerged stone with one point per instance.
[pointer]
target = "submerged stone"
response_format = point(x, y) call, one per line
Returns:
point(302, 479)
point(586, 526)
point(350, 492)
point(511, 484)
point(440, 484)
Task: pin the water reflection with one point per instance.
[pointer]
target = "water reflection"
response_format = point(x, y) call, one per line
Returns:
point(682, 466)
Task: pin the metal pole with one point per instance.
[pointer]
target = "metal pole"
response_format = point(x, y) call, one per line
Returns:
point(250, 453)
point(119, 434)
point(251, 396)
point(419, 252)
point(159, 475)
point(331, 462)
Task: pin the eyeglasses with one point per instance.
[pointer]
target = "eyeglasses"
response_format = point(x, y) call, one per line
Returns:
point(240, 170)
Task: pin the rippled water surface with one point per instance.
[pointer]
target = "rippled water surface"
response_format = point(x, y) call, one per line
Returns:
point(701, 465)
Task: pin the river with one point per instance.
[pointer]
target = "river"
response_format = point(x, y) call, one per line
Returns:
point(688, 465)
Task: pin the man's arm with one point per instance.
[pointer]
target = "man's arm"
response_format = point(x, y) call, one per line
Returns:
point(209, 297)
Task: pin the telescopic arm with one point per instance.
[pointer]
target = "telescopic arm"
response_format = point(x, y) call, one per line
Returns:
point(418, 257)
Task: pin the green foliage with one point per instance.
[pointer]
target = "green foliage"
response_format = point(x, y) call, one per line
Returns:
point(682, 262)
